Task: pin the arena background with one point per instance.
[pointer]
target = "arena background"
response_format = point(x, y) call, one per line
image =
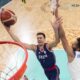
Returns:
point(35, 16)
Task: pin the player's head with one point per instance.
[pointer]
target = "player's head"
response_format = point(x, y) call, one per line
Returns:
point(76, 45)
point(41, 38)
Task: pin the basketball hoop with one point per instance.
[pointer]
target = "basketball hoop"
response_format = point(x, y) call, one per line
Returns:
point(7, 72)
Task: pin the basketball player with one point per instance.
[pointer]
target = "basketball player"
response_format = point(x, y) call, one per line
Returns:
point(43, 51)
point(73, 59)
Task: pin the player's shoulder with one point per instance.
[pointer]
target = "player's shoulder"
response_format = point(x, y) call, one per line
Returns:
point(48, 46)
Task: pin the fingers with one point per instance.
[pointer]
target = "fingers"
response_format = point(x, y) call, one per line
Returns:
point(57, 23)
point(59, 20)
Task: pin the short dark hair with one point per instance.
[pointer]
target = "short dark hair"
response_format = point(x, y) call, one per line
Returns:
point(41, 33)
point(78, 40)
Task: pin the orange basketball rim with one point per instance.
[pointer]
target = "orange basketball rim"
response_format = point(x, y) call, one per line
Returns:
point(19, 73)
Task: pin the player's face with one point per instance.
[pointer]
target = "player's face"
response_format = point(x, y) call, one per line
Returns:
point(40, 39)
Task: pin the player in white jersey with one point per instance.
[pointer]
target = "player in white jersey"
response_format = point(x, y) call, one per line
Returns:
point(73, 54)
point(74, 67)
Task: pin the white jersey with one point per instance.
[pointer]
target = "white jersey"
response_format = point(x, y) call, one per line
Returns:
point(74, 67)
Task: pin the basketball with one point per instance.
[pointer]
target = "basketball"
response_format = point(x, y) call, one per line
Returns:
point(8, 17)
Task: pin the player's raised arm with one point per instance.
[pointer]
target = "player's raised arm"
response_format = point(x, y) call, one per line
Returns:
point(55, 27)
point(8, 18)
point(15, 38)
point(65, 44)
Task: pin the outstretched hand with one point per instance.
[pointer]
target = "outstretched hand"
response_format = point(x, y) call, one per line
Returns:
point(57, 23)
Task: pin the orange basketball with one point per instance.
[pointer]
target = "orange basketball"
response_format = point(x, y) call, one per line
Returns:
point(8, 17)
